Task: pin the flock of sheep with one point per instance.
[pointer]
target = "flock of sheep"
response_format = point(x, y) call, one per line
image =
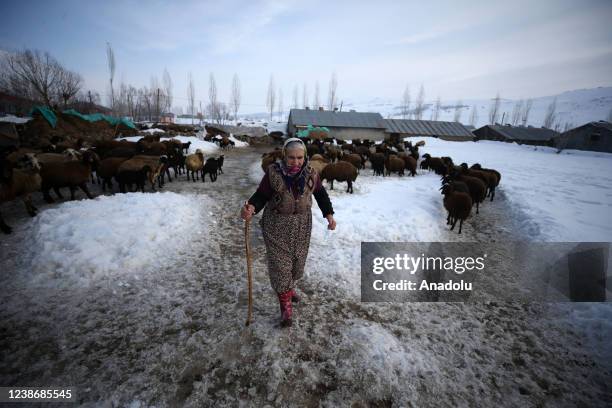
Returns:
point(462, 187)
point(130, 164)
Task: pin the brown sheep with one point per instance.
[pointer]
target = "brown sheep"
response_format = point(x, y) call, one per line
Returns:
point(136, 163)
point(19, 181)
point(340, 171)
point(333, 152)
point(71, 174)
point(458, 205)
point(354, 159)
point(497, 175)
point(410, 163)
point(394, 164)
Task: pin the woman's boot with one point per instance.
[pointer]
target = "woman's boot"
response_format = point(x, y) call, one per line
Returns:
point(294, 296)
point(285, 305)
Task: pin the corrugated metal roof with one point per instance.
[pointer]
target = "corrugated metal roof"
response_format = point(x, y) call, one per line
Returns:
point(426, 128)
point(304, 117)
point(524, 133)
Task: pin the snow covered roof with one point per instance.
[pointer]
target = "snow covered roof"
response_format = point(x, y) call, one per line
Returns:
point(426, 128)
point(303, 117)
point(523, 133)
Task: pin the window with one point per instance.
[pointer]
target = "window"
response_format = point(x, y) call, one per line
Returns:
point(595, 136)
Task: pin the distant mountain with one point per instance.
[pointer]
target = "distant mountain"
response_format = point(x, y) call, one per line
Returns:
point(573, 108)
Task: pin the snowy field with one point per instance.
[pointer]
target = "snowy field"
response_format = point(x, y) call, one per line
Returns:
point(140, 299)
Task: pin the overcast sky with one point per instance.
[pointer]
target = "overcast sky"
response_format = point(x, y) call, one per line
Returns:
point(456, 49)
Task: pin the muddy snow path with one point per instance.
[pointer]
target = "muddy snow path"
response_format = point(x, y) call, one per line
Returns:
point(176, 336)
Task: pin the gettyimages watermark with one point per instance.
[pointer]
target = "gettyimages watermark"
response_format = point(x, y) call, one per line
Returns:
point(504, 271)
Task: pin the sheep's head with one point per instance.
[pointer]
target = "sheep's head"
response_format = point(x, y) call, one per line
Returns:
point(476, 166)
point(28, 162)
point(72, 154)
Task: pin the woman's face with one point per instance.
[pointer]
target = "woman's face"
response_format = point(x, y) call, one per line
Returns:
point(295, 157)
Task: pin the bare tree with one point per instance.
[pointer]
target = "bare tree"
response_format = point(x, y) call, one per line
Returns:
point(168, 90)
point(295, 97)
point(610, 116)
point(332, 96)
point(526, 111)
point(494, 110)
point(68, 85)
point(419, 104)
point(567, 126)
point(305, 96)
point(474, 116)
point(317, 101)
point(31, 74)
point(280, 104)
point(405, 106)
point(191, 96)
point(458, 111)
point(271, 97)
point(110, 59)
point(435, 114)
point(235, 97)
point(551, 114)
point(516, 112)
point(212, 98)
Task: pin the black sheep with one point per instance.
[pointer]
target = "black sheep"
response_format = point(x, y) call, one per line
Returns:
point(131, 177)
point(211, 167)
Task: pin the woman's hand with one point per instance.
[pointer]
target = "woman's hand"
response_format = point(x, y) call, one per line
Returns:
point(247, 212)
point(331, 223)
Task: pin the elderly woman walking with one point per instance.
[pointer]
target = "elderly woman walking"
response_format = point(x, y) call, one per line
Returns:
point(286, 192)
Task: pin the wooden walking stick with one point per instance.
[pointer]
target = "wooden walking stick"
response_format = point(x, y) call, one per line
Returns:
point(249, 271)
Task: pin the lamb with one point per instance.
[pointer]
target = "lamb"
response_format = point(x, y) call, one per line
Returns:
point(340, 171)
point(194, 163)
point(458, 204)
point(21, 181)
point(185, 147)
point(70, 174)
point(497, 175)
point(394, 164)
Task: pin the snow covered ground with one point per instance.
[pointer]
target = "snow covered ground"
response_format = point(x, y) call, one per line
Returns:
point(204, 146)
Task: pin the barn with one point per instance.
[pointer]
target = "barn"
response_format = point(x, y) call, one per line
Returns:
point(401, 128)
point(341, 125)
point(520, 134)
point(594, 136)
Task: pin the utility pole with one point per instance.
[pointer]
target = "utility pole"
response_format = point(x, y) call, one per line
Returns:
point(200, 114)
